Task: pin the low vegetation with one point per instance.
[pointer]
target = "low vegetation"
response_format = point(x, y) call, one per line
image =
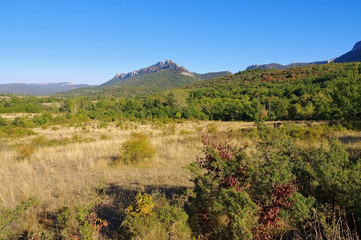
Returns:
point(137, 149)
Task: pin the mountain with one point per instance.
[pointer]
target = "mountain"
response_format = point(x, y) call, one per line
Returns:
point(167, 66)
point(153, 79)
point(284, 67)
point(120, 78)
point(39, 88)
point(352, 56)
point(156, 78)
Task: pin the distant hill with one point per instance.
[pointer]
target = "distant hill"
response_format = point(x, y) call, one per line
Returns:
point(39, 89)
point(211, 75)
point(156, 78)
point(284, 67)
point(352, 56)
point(153, 79)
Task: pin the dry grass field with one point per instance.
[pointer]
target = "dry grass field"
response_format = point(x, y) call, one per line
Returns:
point(81, 159)
point(67, 164)
point(72, 165)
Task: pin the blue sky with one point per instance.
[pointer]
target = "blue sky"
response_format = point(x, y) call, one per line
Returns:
point(90, 41)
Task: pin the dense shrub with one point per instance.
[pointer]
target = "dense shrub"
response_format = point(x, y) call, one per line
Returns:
point(137, 149)
point(280, 187)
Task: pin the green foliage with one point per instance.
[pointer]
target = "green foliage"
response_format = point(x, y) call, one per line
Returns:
point(3, 122)
point(89, 223)
point(86, 230)
point(346, 95)
point(14, 104)
point(42, 119)
point(18, 132)
point(137, 149)
point(155, 217)
point(323, 92)
point(9, 218)
point(19, 122)
point(221, 207)
point(333, 178)
point(277, 188)
point(63, 220)
point(139, 85)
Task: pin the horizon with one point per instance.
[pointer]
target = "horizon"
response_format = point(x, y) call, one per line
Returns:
point(88, 42)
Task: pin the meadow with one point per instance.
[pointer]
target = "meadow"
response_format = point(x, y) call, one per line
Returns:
point(75, 166)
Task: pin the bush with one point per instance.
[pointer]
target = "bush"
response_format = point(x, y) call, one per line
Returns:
point(221, 208)
point(89, 223)
point(18, 132)
point(18, 121)
point(137, 149)
point(3, 122)
point(278, 189)
point(155, 217)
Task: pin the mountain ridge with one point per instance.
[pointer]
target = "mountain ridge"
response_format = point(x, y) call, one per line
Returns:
point(39, 88)
point(157, 77)
point(352, 56)
point(284, 67)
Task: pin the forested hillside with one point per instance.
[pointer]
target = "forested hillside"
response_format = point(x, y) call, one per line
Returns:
point(322, 92)
point(138, 85)
point(330, 91)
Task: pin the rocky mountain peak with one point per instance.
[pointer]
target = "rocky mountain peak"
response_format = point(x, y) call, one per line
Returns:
point(160, 63)
point(168, 64)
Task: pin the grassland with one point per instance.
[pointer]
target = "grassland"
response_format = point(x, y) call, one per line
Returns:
point(60, 165)
point(70, 162)
point(69, 165)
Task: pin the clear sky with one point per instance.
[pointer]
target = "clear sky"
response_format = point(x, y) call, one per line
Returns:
point(88, 41)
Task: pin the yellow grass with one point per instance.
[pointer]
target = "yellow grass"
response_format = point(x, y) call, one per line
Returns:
point(59, 175)
point(70, 173)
